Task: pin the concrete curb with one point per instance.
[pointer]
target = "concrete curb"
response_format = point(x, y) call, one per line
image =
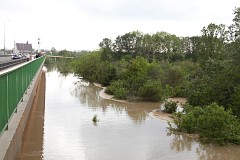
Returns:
point(10, 140)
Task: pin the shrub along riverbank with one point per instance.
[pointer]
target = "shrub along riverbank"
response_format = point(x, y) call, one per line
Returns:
point(211, 122)
point(203, 69)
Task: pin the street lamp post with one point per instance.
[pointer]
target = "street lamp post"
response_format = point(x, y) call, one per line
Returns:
point(4, 38)
point(4, 49)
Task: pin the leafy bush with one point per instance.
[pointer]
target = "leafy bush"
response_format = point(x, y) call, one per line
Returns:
point(152, 91)
point(118, 89)
point(212, 123)
point(170, 107)
point(218, 125)
point(188, 123)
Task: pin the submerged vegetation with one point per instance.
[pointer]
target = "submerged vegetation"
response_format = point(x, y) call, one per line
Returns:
point(152, 67)
point(95, 119)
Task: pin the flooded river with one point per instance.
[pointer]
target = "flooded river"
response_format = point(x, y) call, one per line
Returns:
point(64, 129)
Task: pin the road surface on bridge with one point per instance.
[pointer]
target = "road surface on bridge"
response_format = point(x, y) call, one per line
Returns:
point(7, 62)
point(5, 59)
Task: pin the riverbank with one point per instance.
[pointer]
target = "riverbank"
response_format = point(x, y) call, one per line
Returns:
point(157, 113)
point(107, 96)
point(162, 115)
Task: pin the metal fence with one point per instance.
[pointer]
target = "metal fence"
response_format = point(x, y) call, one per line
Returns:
point(13, 86)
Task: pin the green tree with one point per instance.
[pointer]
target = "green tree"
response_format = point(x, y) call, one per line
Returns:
point(136, 75)
point(235, 27)
point(87, 66)
point(53, 50)
point(189, 47)
point(147, 47)
point(128, 43)
point(155, 71)
point(212, 43)
point(152, 91)
point(166, 47)
point(106, 73)
point(107, 49)
point(118, 89)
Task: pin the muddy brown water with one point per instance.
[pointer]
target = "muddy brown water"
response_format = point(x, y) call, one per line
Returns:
point(62, 128)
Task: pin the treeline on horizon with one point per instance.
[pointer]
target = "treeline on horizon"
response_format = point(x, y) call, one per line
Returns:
point(204, 69)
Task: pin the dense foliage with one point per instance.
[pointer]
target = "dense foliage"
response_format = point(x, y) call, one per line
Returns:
point(170, 107)
point(203, 69)
point(211, 122)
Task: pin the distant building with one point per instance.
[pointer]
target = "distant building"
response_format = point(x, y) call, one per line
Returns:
point(23, 48)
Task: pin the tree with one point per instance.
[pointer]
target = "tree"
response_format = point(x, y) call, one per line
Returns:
point(106, 43)
point(152, 91)
point(53, 50)
point(106, 73)
point(87, 66)
point(212, 43)
point(147, 47)
point(136, 75)
point(186, 45)
point(128, 43)
point(234, 47)
point(235, 27)
point(107, 49)
point(118, 89)
point(166, 46)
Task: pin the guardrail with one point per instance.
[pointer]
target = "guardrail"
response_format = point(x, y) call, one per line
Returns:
point(13, 85)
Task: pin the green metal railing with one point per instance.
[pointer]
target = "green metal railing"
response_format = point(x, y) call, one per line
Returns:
point(13, 86)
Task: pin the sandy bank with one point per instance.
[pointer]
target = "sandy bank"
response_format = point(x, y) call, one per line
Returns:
point(162, 115)
point(166, 116)
point(107, 96)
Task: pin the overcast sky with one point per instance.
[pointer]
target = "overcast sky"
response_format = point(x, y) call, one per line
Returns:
point(82, 24)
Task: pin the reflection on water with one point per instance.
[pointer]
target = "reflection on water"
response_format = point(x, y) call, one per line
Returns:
point(125, 131)
point(181, 142)
point(211, 152)
point(89, 94)
point(32, 141)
